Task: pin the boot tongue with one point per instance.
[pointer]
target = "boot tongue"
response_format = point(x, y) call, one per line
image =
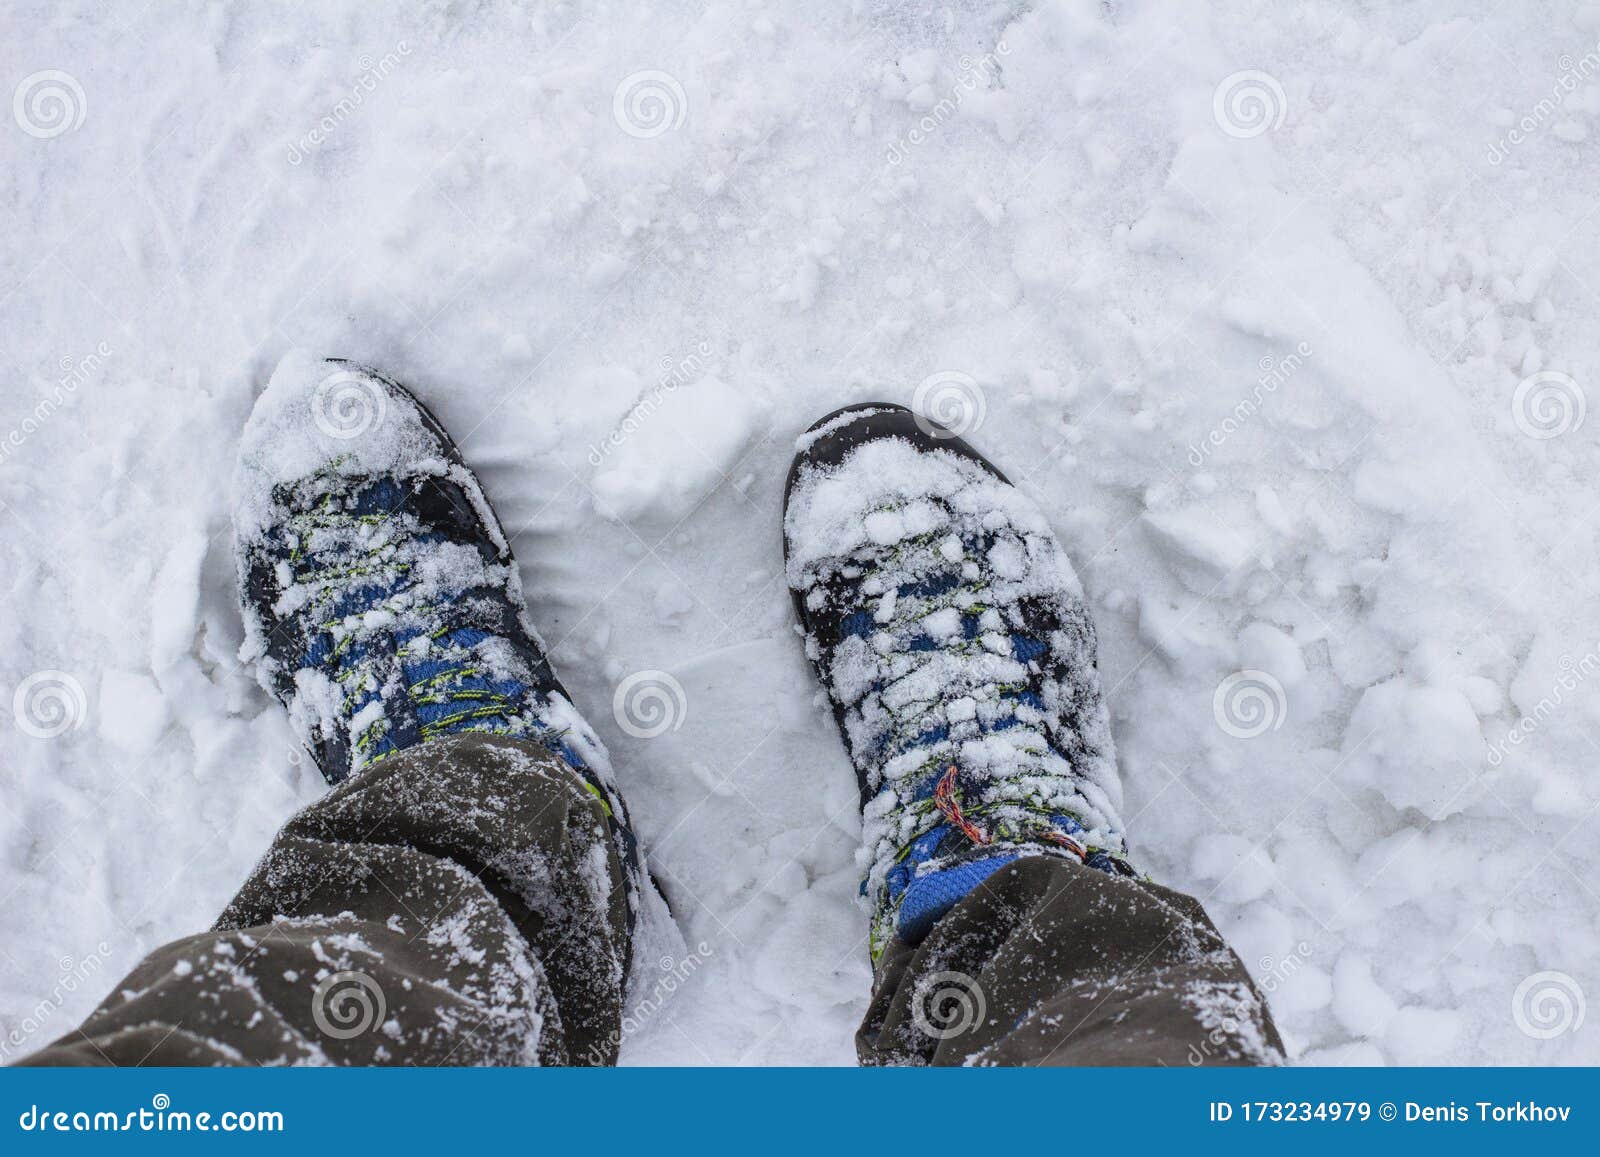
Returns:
point(963, 849)
point(960, 845)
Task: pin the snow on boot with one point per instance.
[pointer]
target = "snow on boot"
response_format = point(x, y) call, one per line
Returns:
point(381, 601)
point(950, 632)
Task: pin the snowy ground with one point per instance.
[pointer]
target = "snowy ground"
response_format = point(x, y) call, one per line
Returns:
point(1261, 358)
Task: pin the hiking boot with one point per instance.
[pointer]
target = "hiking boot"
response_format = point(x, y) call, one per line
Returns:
point(381, 602)
point(950, 633)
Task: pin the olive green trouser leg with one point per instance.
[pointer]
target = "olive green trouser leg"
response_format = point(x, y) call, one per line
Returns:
point(458, 903)
point(1049, 962)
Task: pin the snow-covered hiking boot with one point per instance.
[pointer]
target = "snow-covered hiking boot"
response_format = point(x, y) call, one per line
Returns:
point(381, 601)
point(950, 632)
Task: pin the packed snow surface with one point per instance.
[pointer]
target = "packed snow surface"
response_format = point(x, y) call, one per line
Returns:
point(1285, 314)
